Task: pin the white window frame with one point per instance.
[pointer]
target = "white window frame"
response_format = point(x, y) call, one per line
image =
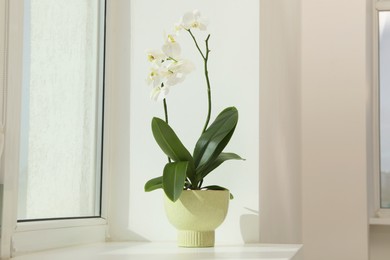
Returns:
point(380, 216)
point(24, 237)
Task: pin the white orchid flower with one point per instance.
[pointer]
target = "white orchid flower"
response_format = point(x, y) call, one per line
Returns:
point(175, 78)
point(156, 56)
point(177, 71)
point(177, 27)
point(170, 38)
point(181, 66)
point(169, 73)
point(171, 47)
point(155, 77)
point(159, 92)
point(172, 50)
point(167, 69)
point(194, 20)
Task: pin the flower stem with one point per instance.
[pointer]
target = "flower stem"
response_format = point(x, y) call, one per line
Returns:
point(166, 119)
point(196, 44)
point(206, 73)
point(165, 110)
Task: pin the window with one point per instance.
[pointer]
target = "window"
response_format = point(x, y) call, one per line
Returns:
point(2, 71)
point(384, 97)
point(54, 127)
point(62, 110)
point(381, 116)
point(379, 147)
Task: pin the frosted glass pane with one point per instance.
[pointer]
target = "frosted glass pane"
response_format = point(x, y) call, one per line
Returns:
point(384, 67)
point(61, 137)
point(2, 62)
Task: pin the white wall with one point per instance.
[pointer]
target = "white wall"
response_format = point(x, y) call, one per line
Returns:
point(280, 122)
point(234, 73)
point(329, 46)
point(335, 83)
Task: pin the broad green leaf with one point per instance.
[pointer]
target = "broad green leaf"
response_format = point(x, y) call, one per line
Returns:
point(168, 141)
point(171, 145)
point(174, 176)
point(212, 142)
point(216, 187)
point(154, 184)
point(209, 167)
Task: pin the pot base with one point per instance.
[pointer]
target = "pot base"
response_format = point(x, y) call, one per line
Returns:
point(190, 238)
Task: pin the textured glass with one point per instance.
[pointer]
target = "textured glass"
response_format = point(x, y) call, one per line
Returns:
point(61, 121)
point(2, 67)
point(384, 79)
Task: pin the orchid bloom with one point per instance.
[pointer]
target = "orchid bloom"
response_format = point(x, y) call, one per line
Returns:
point(177, 71)
point(155, 56)
point(154, 77)
point(159, 92)
point(177, 27)
point(193, 20)
point(167, 74)
point(171, 47)
point(181, 66)
point(168, 68)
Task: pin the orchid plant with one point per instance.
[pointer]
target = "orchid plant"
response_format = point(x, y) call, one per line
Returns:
point(183, 170)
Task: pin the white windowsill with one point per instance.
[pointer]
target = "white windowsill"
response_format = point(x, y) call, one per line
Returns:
point(64, 223)
point(149, 251)
point(379, 221)
point(381, 217)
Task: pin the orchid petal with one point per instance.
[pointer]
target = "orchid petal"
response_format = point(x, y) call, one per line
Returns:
point(194, 20)
point(172, 49)
point(155, 56)
point(159, 93)
point(187, 20)
point(196, 14)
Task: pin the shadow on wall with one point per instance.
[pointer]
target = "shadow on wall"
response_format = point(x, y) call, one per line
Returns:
point(249, 224)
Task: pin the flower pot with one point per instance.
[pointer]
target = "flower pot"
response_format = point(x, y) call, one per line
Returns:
point(196, 215)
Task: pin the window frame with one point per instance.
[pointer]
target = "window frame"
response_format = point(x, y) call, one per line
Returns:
point(16, 237)
point(380, 216)
point(98, 130)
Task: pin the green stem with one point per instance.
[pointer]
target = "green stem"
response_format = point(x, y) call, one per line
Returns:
point(166, 119)
point(196, 44)
point(170, 58)
point(206, 73)
point(165, 111)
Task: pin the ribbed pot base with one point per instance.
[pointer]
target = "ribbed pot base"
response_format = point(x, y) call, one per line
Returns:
point(190, 238)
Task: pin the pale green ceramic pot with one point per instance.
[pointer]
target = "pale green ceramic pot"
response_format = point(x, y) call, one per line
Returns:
point(196, 215)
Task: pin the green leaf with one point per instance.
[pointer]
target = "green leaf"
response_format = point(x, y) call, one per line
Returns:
point(209, 167)
point(174, 177)
point(216, 187)
point(154, 184)
point(212, 142)
point(168, 141)
point(171, 145)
